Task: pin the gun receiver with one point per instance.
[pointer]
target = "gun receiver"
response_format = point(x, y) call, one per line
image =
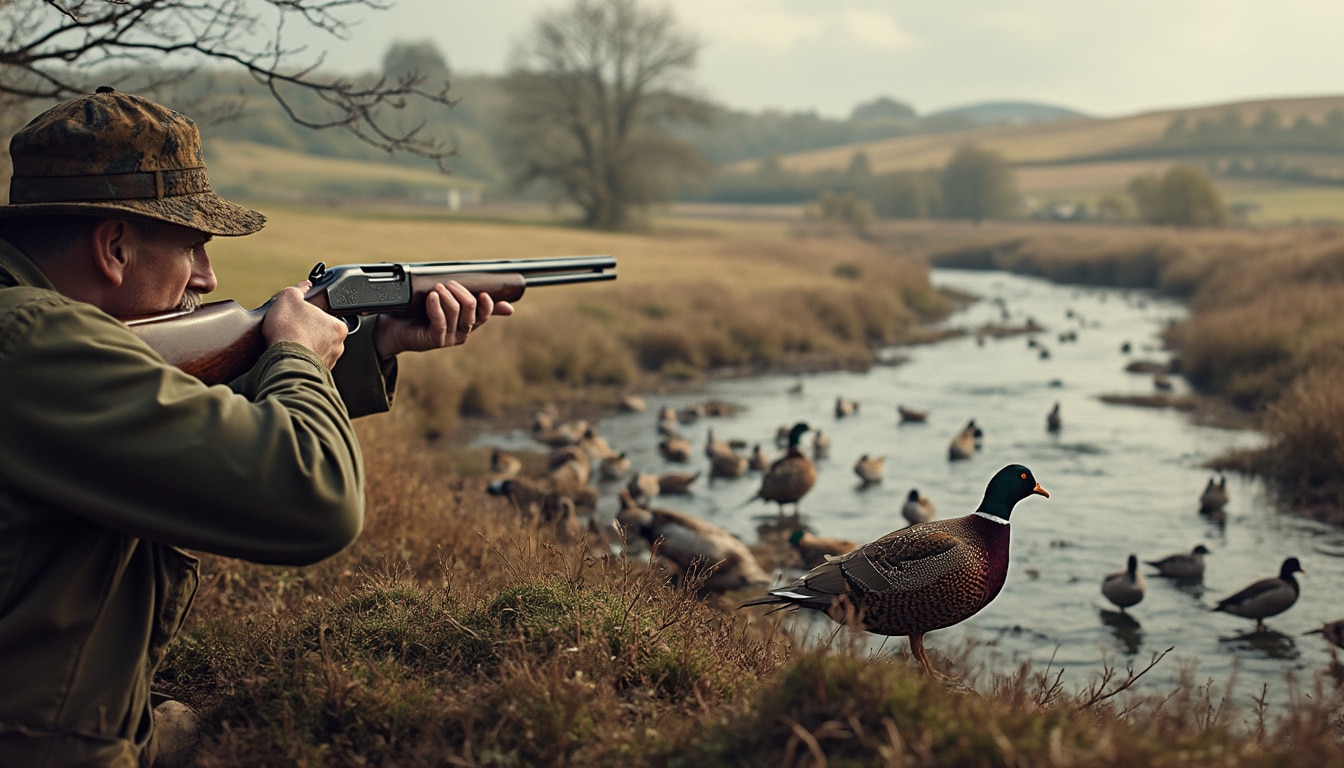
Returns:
point(221, 340)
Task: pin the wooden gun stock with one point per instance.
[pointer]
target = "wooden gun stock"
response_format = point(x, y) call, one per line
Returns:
point(222, 340)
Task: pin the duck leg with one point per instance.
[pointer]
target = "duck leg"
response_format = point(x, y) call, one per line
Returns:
point(917, 649)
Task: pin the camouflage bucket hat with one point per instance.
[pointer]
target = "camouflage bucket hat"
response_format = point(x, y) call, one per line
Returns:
point(112, 153)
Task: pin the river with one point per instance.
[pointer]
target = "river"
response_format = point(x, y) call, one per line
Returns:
point(1122, 479)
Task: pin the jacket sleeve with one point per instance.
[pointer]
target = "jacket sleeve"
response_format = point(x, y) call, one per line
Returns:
point(365, 382)
point(95, 423)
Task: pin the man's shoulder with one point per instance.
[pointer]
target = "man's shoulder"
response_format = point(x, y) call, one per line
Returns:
point(25, 307)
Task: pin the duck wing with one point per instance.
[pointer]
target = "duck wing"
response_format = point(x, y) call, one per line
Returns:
point(903, 561)
point(1257, 589)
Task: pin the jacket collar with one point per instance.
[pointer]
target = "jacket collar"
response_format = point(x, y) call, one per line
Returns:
point(18, 269)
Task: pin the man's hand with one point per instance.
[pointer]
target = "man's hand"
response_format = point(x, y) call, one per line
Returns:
point(291, 318)
point(452, 313)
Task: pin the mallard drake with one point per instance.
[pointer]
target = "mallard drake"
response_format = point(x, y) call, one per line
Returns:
point(1266, 597)
point(963, 444)
point(1125, 588)
point(911, 415)
point(789, 477)
point(727, 465)
point(614, 467)
point(697, 547)
point(504, 463)
point(917, 508)
point(676, 482)
point(922, 578)
point(1182, 565)
point(1052, 419)
point(1214, 497)
point(814, 549)
point(675, 449)
point(845, 407)
point(1334, 634)
point(870, 468)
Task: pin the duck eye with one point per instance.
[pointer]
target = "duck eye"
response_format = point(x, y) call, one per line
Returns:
point(1024, 475)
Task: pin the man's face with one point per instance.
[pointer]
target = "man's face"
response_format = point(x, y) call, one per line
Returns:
point(168, 269)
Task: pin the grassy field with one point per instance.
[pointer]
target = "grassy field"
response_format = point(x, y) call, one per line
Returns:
point(454, 632)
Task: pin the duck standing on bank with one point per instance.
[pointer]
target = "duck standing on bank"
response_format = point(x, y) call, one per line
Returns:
point(1125, 588)
point(791, 476)
point(1266, 597)
point(918, 579)
point(1186, 566)
point(698, 548)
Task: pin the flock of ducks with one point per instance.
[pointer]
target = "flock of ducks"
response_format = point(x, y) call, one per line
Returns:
point(927, 575)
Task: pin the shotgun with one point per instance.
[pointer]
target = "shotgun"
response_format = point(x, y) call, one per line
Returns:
point(221, 340)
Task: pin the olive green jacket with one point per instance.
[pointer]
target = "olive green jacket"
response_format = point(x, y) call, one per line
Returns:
point(112, 464)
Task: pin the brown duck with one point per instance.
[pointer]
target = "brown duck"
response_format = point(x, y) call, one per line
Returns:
point(925, 577)
point(791, 476)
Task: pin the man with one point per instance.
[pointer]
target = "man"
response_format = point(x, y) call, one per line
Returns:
point(112, 462)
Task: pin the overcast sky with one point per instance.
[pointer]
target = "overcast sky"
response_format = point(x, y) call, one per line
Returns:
point(1103, 58)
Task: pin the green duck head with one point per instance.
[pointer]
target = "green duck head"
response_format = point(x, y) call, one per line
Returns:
point(1009, 485)
point(797, 536)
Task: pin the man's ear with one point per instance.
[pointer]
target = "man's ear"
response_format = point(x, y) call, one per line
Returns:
point(113, 241)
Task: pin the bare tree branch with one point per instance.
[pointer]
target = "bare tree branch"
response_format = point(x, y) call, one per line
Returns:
point(49, 47)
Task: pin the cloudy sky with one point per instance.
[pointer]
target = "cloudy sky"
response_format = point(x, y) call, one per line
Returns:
point(1103, 58)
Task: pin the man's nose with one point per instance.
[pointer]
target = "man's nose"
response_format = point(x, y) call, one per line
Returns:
point(202, 273)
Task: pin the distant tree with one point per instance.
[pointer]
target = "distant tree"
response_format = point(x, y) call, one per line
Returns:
point(54, 49)
point(844, 208)
point(1113, 206)
point(882, 107)
point(978, 184)
point(1178, 128)
point(859, 172)
point(1182, 197)
point(593, 91)
point(1268, 123)
point(907, 195)
point(422, 58)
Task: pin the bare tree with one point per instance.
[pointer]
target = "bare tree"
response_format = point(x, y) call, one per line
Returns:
point(50, 50)
point(593, 92)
